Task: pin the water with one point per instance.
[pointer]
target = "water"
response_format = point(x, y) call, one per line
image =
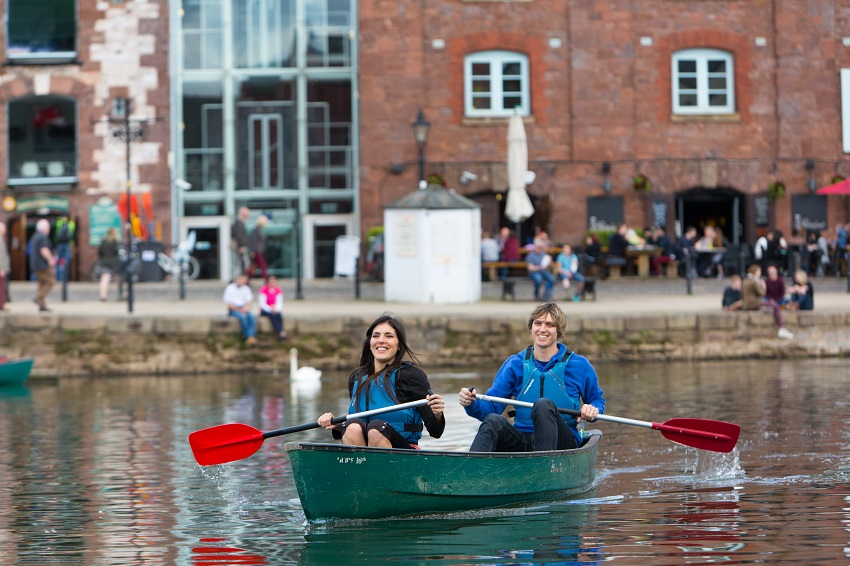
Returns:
point(98, 471)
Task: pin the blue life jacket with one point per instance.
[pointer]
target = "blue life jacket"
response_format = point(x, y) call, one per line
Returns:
point(407, 422)
point(549, 384)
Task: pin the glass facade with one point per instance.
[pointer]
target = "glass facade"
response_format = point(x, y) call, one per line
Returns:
point(268, 117)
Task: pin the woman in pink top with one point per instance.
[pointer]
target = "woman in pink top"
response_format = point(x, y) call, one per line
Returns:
point(271, 304)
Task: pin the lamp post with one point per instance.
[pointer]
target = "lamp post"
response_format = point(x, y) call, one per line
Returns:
point(421, 127)
point(128, 130)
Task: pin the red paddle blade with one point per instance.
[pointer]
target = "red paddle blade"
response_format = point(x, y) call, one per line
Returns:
point(225, 443)
point(705, 434)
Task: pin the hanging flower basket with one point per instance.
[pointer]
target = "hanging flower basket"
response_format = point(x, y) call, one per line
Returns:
point(776, 190)
point(434, 179)
point(641, 184)
point(836, 179)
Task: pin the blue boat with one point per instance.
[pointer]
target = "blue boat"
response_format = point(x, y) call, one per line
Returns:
point(15, 372)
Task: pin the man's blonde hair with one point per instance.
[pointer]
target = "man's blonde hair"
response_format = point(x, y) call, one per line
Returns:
point(553, 310)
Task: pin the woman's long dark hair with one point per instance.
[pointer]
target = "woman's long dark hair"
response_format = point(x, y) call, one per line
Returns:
point(367, 359)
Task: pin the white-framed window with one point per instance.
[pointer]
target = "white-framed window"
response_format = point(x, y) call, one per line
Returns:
point(495, 83)
point(703, 82)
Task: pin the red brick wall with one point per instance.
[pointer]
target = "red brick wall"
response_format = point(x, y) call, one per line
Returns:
point(603, 96)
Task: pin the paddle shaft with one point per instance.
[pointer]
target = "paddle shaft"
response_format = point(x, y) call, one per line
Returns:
point(342, 419)
point(611, 418)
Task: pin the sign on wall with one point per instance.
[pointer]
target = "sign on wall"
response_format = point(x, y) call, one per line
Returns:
point(103, 215)
point(808, 212)
point(760, 204)
point(604, 213)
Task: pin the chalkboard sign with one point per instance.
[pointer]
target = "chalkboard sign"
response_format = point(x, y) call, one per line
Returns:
point(659, 213)
point(808, 212)
point(761, 209)
point(604, 213)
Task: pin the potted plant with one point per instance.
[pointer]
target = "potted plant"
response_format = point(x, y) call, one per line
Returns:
point(776, 190)
point(641, 183)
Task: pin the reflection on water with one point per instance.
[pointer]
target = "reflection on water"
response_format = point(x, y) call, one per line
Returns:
point(98, 471)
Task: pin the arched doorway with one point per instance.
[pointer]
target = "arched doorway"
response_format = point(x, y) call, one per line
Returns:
point(721, 207)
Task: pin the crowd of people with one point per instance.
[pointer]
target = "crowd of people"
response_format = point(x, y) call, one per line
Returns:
point(695, 255)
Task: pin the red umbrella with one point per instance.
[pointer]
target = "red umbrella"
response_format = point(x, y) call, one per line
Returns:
point(839, 188)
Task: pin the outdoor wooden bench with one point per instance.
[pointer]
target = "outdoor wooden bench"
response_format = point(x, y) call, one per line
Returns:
point(491, 268)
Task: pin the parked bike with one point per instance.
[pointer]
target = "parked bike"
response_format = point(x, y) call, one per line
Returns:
point(181, 264)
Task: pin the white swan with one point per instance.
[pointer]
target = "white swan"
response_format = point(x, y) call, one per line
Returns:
point(305, 373)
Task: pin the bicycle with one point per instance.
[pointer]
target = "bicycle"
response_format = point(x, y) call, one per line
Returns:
point(181, 263)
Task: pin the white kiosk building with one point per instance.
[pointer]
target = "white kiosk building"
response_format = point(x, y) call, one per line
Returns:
point(432, 248)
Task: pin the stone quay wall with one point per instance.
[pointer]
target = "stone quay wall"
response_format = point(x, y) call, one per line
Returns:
point(90, 345)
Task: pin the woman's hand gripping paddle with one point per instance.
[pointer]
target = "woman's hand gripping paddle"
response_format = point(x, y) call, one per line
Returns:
point(230, 442)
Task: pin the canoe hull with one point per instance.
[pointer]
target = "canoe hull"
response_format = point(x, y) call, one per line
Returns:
point(15, 372)
point(346, 482)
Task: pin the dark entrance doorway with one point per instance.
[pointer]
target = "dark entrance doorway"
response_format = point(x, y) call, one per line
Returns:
point(720, 207)
point(493, 215)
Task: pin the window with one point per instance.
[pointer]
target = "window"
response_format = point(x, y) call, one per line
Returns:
point(703, 82)
point(42, 141)
point(42, 31)
point(329, 33)
point(495, 83)
point(202, 34)
point(264, 33)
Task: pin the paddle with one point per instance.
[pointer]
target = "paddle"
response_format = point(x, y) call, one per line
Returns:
point(705, 434)
point(230, 442)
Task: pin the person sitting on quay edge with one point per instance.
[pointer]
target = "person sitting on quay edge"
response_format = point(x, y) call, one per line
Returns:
point(802, 293)
point(573, 385)
point(753, 296)
point(732, 294)
point(537, 263)
point(238, 298)
point(270, 297)
point(774, 286)
point(568, 270)
point(384, 378)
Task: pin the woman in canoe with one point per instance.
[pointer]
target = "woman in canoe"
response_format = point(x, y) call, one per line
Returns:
point(384, 379)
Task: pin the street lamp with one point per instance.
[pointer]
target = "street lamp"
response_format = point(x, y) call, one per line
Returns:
point(421, 127)
point(128, 130)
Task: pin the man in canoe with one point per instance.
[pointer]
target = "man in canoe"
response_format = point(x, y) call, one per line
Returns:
point(546, 374)
point(384, 379)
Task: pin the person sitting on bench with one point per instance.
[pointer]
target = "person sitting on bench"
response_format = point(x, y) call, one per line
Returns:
point(537, 263)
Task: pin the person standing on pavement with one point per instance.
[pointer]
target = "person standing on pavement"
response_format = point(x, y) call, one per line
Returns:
point(42, 261)
point(546, 374)
point(110, 261)
point(5, 266)
point(238, 298)
point(258, 248)
point(239, 240)
point(65, 230)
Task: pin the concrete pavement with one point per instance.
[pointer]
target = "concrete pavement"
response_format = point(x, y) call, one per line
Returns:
point(327, 298)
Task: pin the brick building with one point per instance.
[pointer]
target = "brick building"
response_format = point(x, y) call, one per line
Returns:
point(70, 71)
point(302, 110)
point(712, 102)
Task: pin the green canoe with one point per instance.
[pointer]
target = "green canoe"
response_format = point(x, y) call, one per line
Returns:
point(336, 481)
point(15, 372)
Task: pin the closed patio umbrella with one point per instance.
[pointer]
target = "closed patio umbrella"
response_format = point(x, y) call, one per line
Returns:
point(518, 207)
